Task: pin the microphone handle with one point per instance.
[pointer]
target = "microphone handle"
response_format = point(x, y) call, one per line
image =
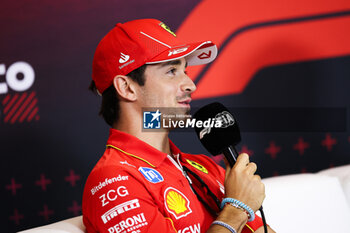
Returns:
point(230, 154)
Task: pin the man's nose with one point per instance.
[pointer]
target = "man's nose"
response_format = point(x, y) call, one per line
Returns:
point(188, 85)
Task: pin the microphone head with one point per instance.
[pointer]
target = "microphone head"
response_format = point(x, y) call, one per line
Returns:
point(216, 139)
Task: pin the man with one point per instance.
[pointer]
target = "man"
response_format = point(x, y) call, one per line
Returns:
point(141, 184)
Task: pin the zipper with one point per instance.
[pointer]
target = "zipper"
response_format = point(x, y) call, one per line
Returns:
point(179, 166)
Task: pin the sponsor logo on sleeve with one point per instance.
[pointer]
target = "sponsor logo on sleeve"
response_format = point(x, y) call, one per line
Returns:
point(106, 182)
point(113, 194)
point(119, 209)
point(151, 174)
point(131, 224)
point(195, 228)
point(176, 203)
point(222, 187)
point(198, 166)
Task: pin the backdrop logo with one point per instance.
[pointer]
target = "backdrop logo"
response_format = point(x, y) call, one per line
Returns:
point(20, 105)
point(12, 78)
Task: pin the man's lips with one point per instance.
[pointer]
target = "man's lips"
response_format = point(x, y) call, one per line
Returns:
point(185, 102)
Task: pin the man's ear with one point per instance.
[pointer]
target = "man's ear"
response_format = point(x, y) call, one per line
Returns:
point(124, 87)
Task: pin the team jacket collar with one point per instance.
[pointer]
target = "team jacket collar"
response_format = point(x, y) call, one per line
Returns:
point(132, 146)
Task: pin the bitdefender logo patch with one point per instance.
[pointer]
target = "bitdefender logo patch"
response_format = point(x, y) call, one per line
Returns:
point(151, 120)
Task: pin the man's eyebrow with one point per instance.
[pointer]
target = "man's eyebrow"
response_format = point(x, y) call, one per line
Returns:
point(174, 62)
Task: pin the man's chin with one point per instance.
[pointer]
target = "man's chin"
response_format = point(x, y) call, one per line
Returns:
point(187, 110)
point(183, 113)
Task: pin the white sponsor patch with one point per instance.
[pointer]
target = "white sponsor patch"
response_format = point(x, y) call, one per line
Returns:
point(123, 58)
point(129, 225)
point(112, 195)
point(126, 163)
point(151, 175)
point(106, 182)
point(177, 51)
point(196, 228)
point(119, 209)
point(126, 64)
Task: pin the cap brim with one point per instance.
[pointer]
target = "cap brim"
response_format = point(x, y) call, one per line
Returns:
point(195, 53)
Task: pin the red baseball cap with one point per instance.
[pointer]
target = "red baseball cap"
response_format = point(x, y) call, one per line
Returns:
point(145, 41)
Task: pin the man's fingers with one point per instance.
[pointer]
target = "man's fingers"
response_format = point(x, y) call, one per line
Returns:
point(242, 161)
point(251, 168)
point(228, 168)
point(257, 178)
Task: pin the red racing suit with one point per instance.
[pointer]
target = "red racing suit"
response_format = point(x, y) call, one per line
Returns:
point(135, 188)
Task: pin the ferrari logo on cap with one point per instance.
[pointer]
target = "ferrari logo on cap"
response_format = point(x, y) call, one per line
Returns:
point(167, 29)
point(176, 203)
point(198, 166)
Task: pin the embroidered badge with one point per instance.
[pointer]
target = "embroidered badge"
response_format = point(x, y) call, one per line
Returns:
point(197, 166)
point(151, 175)
point(176, 203)
point(163, 25)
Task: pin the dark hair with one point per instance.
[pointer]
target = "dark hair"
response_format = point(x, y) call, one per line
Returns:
point(110, 103)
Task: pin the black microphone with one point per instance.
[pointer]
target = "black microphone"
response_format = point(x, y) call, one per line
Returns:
point(222, 139)
point(220, 134)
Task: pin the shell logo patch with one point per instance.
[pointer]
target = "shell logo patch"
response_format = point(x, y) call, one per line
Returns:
point(163, 25)
point(176, 203)
point(197, 165)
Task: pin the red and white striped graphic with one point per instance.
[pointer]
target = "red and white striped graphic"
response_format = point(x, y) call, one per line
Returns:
point(20, 107)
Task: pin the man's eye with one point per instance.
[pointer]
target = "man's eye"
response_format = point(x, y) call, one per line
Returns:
point(172, 71)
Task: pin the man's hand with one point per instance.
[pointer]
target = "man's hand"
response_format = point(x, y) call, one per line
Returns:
point(242, 184)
